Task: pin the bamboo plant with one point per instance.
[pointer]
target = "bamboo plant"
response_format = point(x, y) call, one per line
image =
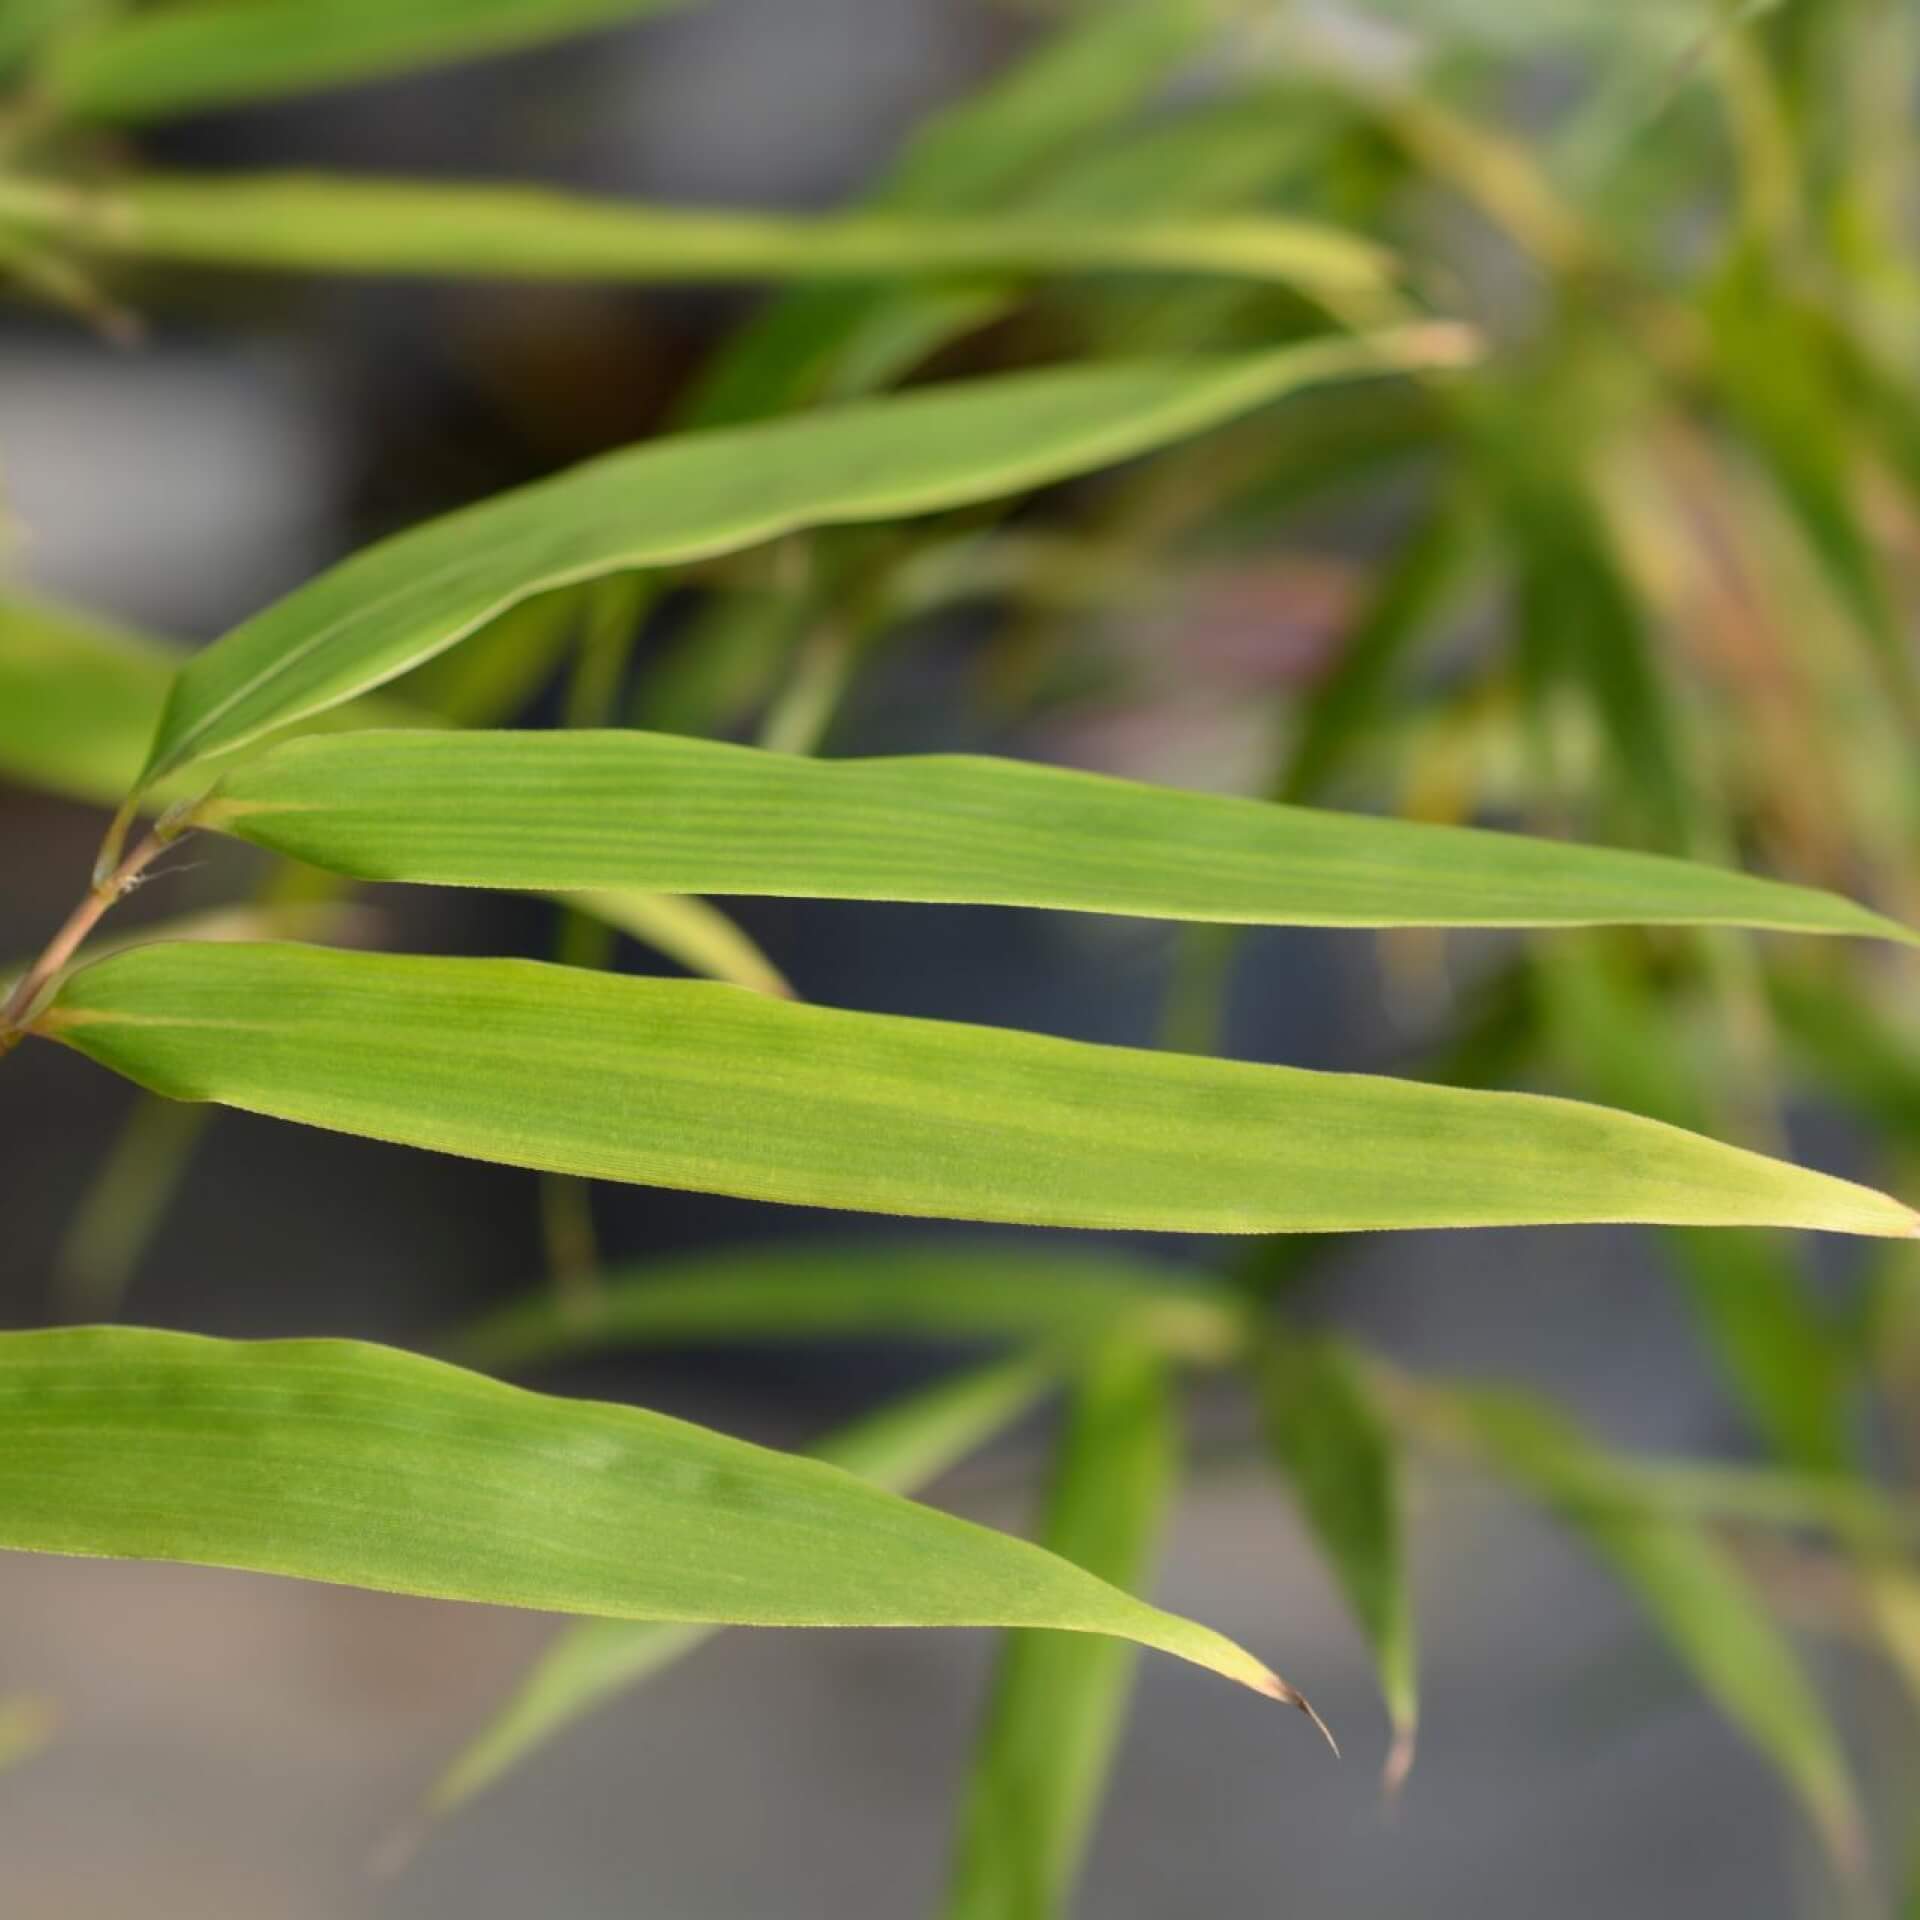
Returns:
point(1668, 514)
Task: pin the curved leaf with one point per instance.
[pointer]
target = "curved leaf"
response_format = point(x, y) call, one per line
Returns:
point(678, 1083)
point(900, 1447)
point(663, 812)
point(334, 1460)
point(408, 598)
point(159, 61)
point(935, 1289)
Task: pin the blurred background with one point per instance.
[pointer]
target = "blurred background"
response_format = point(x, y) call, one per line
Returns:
point(1649, 578)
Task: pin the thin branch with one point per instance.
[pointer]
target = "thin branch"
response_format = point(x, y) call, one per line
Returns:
point(20, 1005)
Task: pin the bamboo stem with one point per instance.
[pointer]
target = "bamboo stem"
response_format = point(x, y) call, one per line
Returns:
point(101, 896)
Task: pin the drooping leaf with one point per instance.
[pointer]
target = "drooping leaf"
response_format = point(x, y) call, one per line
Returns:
point(930, 1289)
point(326, 223)
point(339, 1461)
point(1343, 1461)
point(663, 812)
point(408, 598)
point(154, 62)
point(1058, 1700)
point(901, 1447)
point(678, 1083)
point(1692, 1593)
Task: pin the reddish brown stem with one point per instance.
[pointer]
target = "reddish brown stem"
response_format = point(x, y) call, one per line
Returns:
point(79, 923)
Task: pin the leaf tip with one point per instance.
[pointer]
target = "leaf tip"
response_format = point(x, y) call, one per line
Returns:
point(1277, 1689)
point(395, 1853)
point(1399, 1761)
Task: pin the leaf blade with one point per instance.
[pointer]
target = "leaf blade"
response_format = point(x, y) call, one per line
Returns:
point(681, 1083)
point(409, 598)
point(361, 1465)
point(900, 1447)
point(666, 813)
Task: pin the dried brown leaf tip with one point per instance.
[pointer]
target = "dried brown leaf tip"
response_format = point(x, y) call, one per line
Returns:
point(1277, 1689)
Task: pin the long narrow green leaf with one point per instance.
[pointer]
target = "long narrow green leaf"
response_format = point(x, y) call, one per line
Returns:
point(667, 813)
point(677, 1083)
point(1343, 1461)
point(338, 1461)
point(1691, 1592)
point(408, 598)
point(900, 1448)
point(933, 1289)
point(1058, 1701)
point(321, 223)
point(158, 61)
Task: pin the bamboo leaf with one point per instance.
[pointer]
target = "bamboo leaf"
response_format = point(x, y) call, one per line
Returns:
point(323, 223)
point(900, 1448)
point(933, 1289)
point(663, 812)
point(155, 62)
point(1058, 1700)
point(1692, 1593)
point(1343, 1461)
point(678, 1083)
point(339, 1461)
point(406, 599)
